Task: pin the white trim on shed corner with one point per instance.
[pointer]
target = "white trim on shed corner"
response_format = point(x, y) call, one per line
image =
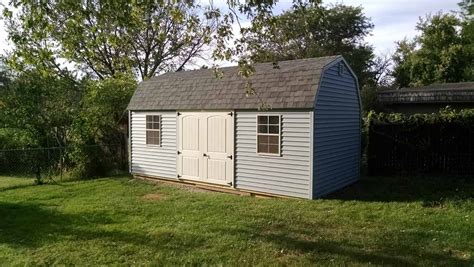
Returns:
point(177, 149)
point(311, 155)
point(130, 141)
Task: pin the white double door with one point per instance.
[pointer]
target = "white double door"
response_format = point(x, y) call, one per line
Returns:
point(205, 146)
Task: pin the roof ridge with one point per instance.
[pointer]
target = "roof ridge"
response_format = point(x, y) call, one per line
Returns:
point(334, 57)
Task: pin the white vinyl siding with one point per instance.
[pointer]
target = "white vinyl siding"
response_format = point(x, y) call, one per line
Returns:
point(288, 174)
point(153, 160)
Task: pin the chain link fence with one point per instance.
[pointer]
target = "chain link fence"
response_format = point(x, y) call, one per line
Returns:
point(57, 162)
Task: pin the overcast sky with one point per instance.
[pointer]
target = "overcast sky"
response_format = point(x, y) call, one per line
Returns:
point(393, 20)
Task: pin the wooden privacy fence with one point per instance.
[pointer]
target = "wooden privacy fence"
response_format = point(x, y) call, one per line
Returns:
point(420, 147)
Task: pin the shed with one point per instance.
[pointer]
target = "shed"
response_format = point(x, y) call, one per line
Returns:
point(429, 98)
point(192, 127)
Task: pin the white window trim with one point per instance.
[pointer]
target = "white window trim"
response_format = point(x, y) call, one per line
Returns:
point(153, 130)
point(279, 135)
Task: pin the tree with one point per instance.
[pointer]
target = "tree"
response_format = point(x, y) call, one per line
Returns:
point(104, 38)
point(45, 111)
point(402, 59)
point(442, 53)
point(467, 34)
point(42, 106)
point(313, 30)
point(100, 123)
point(4, 76)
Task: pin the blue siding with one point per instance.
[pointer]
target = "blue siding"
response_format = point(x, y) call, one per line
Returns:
point(288, 174)
point(336, 131)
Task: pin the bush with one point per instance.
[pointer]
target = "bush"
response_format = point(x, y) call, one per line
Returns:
point(369, 99)
point(86, 118)
point(100, 129)
point(440, 142)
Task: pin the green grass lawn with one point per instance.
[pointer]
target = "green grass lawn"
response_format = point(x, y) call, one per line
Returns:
point(14, 182)
point(120, 221)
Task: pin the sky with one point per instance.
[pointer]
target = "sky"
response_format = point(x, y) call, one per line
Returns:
point(393, 20)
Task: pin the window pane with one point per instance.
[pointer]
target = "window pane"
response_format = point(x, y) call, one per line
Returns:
point(263, 139)
point(262, 129)
point(149, 138)
point(153, 122)
point(262, 119)
point(273, 149)
point(273, 140)
point(153, 137)
point(268, 137)
point(262, 148)
point(273, 129)
point(274, 119)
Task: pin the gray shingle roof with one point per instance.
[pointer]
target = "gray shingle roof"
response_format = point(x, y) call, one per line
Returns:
point(292, 85)
point(435, 93)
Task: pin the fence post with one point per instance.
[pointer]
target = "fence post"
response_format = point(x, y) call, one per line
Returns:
point(61, 163)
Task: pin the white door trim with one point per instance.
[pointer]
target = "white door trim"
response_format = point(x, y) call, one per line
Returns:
point(221, 161)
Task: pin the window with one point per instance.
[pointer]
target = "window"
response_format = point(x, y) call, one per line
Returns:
point(153, 129)
point(268, 134)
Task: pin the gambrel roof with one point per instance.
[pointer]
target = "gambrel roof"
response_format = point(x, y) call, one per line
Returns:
point(293, 84)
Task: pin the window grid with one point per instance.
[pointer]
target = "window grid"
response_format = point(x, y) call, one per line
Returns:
point(268, 134)
point(153, 129)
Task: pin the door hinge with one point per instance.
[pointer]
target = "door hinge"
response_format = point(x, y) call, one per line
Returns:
point(178, 113)
point(178, 152)
point(229, 183)
point(229, 157)
point(179, 176)
point(230, 114)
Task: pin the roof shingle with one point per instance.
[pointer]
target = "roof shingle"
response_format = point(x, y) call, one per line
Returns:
point(293, 85)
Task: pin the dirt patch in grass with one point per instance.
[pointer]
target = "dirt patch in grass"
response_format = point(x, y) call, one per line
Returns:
point(192, 188)
point(183, 186)
point(153, 196)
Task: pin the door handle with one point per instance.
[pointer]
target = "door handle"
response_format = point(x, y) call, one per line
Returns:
point(205, 155)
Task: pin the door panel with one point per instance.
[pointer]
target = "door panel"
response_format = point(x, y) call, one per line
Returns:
point(191, 167)
point(206, 143)
point(190, 127)
point(218, 149)
point(216, 170)
point(189, 157)
point(216, 134)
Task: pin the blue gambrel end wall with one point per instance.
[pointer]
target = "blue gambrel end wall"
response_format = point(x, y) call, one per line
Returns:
point(336, 158)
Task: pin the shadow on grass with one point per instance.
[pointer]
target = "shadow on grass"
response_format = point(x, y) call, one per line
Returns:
point(392, 248)
point(17, 186)
point(432, 191)
point(31, 226)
